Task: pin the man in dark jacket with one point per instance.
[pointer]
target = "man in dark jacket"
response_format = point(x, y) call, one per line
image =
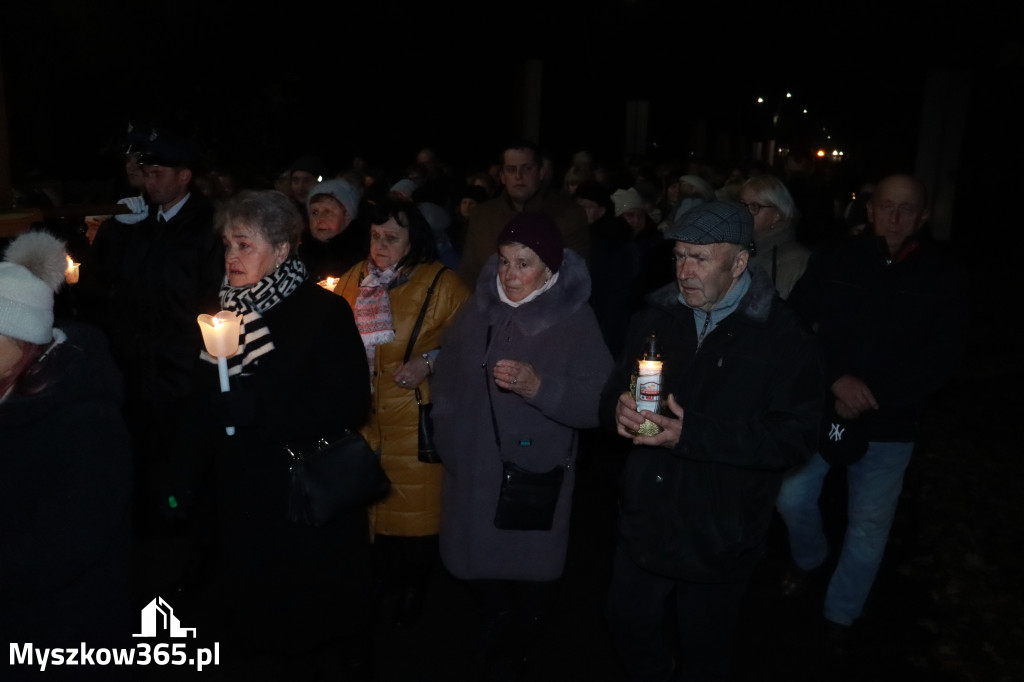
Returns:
point(744, 388)
point(147, 282)
point(888, 307)
point(525, 189)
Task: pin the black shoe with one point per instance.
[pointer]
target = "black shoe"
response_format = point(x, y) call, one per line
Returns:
point(794, 582)
point(838, 638)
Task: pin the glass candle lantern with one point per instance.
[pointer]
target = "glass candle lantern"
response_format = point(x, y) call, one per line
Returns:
point(646, 384)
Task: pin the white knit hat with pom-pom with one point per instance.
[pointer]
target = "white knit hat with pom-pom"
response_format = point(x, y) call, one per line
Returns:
point(32, 271)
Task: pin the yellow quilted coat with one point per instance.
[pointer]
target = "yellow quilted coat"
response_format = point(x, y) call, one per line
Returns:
point(413, 507)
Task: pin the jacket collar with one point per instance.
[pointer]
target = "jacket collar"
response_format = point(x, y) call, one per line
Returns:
point(755, 306)
point(570, 293)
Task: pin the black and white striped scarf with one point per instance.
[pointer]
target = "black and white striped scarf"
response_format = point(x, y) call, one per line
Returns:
point(250, 302)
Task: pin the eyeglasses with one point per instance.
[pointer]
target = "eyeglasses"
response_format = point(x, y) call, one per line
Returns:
point(755, 207)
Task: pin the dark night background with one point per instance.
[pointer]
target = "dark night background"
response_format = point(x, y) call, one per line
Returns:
point(260, 86)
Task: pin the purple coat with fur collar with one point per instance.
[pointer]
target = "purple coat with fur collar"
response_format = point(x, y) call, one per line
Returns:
point(558, 334)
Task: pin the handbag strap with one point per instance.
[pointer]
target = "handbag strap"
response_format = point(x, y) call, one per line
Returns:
point(494, 417)
point(419, 323)
point(423, 313)
point(487, 387)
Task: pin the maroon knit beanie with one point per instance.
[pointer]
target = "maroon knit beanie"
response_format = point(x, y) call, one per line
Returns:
point(538, 231)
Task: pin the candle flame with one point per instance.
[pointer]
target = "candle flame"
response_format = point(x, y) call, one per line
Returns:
point(71, 271)
point(329, 283)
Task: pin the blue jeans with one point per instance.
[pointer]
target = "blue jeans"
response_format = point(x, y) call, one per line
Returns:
point(874, 485)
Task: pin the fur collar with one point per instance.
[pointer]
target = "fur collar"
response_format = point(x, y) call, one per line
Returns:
point(570, 293)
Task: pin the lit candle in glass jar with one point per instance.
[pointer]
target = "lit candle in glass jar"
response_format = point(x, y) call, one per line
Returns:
point(648, 385)
point(647, 390)
point(71, 272)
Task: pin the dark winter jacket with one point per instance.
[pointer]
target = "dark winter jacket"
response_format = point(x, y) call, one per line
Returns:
point(751, 398)
point(144, 285)
point(65, 501)
point(556, 333)
point(896, 324)
point(625, 268)
point(334, 257)
point(282, 586)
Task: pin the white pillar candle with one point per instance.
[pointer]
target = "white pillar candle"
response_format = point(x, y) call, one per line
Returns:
point(220, 335)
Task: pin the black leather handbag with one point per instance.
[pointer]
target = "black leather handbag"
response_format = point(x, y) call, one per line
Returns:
point(330, 477)
point(527, 499)
point(427, 452)
point(425, 441)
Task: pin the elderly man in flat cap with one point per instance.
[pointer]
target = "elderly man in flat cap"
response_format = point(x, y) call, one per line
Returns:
point(742, 382)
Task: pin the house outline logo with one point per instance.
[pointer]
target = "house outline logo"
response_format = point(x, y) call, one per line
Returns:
point(158, 616)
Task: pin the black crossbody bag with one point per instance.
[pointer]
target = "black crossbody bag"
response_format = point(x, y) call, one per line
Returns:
point(331, 476)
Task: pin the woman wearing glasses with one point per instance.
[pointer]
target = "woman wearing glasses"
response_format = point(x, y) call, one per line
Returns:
point(776, 248)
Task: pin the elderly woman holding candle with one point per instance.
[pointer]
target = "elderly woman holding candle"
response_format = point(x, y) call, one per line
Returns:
point(388, 292)
point(521, 373)
point(292, 596)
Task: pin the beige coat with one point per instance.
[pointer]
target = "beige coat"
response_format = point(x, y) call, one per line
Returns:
point(413, 507)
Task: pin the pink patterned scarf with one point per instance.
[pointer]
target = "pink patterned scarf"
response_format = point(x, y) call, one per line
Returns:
point(373, 310)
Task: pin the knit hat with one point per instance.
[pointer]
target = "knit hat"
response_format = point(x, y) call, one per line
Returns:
point(714, 222)
point(404, 186)
point(703, 187)
point(342, 190)
point(437, 217)
point(537, 231)
point(33, 269)
point(626, 199)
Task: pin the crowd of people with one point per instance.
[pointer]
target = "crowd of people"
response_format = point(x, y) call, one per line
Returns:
point(516, 305)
